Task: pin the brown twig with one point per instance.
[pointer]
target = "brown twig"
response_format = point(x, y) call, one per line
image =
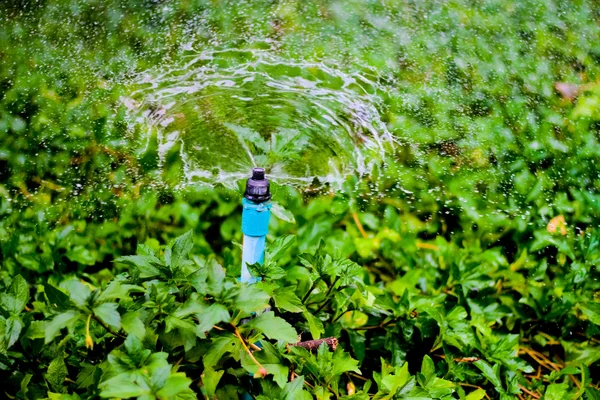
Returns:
point(382, 325)
point(313, 345)
point(254, 347)
point(460, 359)
point(540, 359)
point(575, 381)
point(529, 392)
point(474, 386)
point(362, 378)
point(261, 370)
point(359, 225)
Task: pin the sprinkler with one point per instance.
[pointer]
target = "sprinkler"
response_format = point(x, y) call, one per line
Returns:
point(255, 222)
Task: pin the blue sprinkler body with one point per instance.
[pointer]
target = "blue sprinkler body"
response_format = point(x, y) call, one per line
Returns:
point(255, 222)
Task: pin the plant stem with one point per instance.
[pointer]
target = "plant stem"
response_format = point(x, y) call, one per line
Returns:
point(261, 369)
point(313, 345)
point(359, 225)
point(312, 287)
point(89, 342)
point(107, 328)
point(382, 325)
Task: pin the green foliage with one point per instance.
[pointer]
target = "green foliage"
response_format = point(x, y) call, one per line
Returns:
point(148, 332)
point(465, 266)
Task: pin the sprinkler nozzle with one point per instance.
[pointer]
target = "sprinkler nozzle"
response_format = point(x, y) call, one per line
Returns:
point(257, 187)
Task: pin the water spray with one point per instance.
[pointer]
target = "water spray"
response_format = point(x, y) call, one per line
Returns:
point(255, 222)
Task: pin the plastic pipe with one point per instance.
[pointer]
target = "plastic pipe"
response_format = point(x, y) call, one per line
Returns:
point(255, 222)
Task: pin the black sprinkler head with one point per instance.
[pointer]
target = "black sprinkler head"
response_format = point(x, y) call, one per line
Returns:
point(257, 187)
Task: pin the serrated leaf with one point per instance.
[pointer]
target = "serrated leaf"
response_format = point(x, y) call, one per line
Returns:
point(280, 212)
point(220, 346)
point(477, 394)
point(133, 325)
point(287, 300)
point(556, 391)
point(86, 376)
point(181, 248)
point(25, 386)
point(251, 299)
point(121, 386)
point(491, 374)
point(591, 310)
point(210, 380)
point(427, 368)
point(271, 360)
point(342, 362)
point(16, 296)
point(36, 330)
point(148, 266)
point(57, 298)
point(117, 290)
point(280, 247)
point(315, 325)
point(210, 316)
point(175, 384)
point(14, 325)
point(293, 389)
point(108, 313)
point(273, 327)
point(56, 374)
point(78, 291)
point(64, 320)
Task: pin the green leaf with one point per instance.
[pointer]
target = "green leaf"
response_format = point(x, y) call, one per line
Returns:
point(37, 330)
point(25, 385)
point(315, 325)
point(14, 325)
point(273, 327)
point(287, 300)
point(133, 325)
point(220, 346)
point(427, 368)
point(148, 266)
point(86, 377)
point(477, 394)
point(591, 310)
point(16, 296)
point(117, 290)
point(280, 247)
point(280, 212)
point(64, 320)
point(251, 299)
point(397, 380)
point(121, 386)
point(57, 298)
point(342, 362)
point(556, 391)
point(438, 388)
point(270, 358)
point(210, 316)
point(181, 248)
point(78, 291)
point(491, 374)
point(108, 313)
point(175, 384)
point(210, 380)
point(56, 374)
point(293, 389)
point(135, 348)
